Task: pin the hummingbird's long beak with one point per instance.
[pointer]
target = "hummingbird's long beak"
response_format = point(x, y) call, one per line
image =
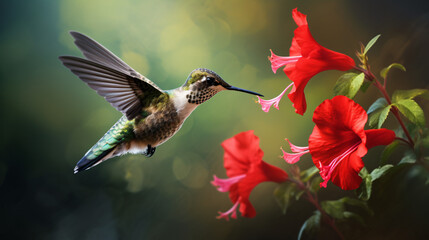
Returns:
point(243, 90)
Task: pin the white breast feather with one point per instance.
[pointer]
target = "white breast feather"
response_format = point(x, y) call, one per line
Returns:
point(184, 108)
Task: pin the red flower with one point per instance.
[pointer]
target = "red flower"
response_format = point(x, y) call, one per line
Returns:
point(245, 169)
point(339, 141)
point(307, 58)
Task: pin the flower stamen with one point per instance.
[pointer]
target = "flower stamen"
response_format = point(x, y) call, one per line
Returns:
point(231, 211)
point(292, 158)
point(266, 104)
point(223, 185)
point(279, 61)
point(326, 171)
point(296, 149)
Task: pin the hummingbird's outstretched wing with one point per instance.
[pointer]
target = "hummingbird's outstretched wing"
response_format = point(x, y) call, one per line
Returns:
point(96, 52)
point(123, 87)
point(127, 94)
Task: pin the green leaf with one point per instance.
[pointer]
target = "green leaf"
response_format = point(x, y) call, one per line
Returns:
point(409, 157)
point(356, 85)
point(411, 110)
point(370, 43)
point(357, 203)
point(399, 95)
point(307, 174)
point(349, 84)
point(387, 152)
point(334, 208)
point(374, 118)
point(342, 85)
point(365, 188)
point(383, 116)
point(378, 104)
point(363, 173)
point(385, 71)
point(365, 86)
point(379, 172)
point(424, 142)
point(337, 208)
point(315, 184)
point(286, 194)
point(352, 215)
point(379, 111)
point(311, 227)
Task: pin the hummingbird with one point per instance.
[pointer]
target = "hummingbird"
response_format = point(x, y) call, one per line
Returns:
point(151, 116)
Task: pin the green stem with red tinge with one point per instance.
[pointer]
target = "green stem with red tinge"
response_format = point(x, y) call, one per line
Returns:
point(312, 198)
point(382, 88)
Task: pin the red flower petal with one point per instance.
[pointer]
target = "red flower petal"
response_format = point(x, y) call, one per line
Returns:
point(243, 157)
point(376, 137)
point(339, 141)
point(347, 177)
point(262, 172)
point(340, 116)
point(295, 49)
point(339, 136)
point(241, 151)
point(324, 147)
point(298, 17)
point(315, 59)
point(300, 73)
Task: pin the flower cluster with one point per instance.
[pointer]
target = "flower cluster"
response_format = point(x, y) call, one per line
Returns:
point(338, 142)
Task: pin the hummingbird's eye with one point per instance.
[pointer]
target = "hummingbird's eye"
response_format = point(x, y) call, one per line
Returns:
point(212, 81)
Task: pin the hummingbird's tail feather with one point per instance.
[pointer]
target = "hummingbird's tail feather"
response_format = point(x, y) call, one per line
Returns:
point(106, 147)
point(87, 163)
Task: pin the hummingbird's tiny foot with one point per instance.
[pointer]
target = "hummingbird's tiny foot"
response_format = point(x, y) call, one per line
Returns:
point(150, 150)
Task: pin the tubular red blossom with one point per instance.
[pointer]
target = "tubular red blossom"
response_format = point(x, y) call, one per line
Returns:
point(339, 141)
point(266, 104)
point(307, 58)
point(245, 169)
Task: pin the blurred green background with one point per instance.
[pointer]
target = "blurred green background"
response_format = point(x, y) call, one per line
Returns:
point(50, 118)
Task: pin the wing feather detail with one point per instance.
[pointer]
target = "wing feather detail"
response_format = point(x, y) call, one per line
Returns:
point(124, 92)
point(96, 52)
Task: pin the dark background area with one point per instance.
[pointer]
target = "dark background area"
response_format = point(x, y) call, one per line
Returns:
point(50, 118)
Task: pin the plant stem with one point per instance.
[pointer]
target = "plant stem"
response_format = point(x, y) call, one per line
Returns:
point(382, 88)
point(395, 111)
point(312, 198)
